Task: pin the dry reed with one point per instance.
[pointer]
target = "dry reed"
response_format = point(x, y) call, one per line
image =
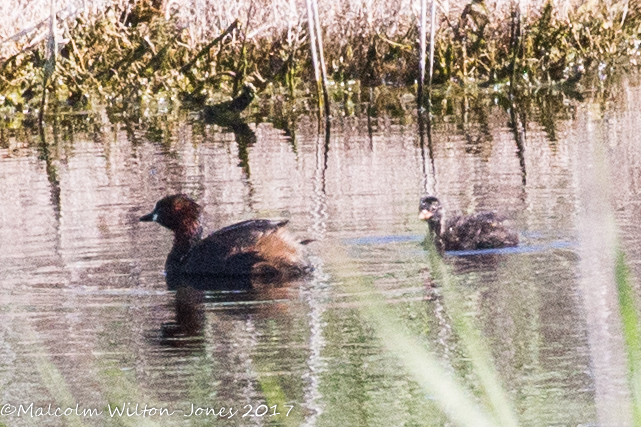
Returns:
point(140, 48)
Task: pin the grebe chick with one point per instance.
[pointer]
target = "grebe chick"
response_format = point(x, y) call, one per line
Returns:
point(482, 230)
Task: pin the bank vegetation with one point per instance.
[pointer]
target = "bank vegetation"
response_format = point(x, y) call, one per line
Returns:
point(71, 53)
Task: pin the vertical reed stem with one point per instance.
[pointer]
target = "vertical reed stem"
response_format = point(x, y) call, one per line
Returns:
point(241, 69)
point(432, 37)
point(516, 39)
point(50, 62)
point(421, 62)
point(319, 40)
point(314, 35)
point(424, 124)
point(312, 46)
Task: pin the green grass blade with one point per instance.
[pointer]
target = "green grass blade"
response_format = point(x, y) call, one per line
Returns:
point(631, 320)
point(473, 342)
point(453, 398)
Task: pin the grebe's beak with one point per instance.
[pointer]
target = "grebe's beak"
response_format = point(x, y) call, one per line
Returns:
point(424, 214)
point(149, 217)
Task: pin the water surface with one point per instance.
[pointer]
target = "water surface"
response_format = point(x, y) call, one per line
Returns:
point(86, 317)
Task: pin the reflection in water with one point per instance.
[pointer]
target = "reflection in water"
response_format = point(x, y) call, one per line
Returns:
point(429, 173)
point(319, 211)
point(208, 283)
point(597, 284)
point(245, 138)
point(512, 250)
point(517, 124)
point(85, 301)
point(383, 240)
point(50, 168)
point(315, 294)
point(190, 304)
point(189, 320)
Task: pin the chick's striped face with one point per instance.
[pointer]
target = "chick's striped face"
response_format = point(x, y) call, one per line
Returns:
point(429, 208)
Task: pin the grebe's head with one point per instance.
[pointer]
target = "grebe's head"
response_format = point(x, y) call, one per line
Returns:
point(177, 213)
point(430, 209)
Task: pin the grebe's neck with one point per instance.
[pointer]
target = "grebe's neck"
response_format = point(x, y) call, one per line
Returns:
point(435, 230)
point(185, 238)
point(435, 226)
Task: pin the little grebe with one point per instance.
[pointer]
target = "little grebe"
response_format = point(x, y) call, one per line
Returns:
point(257, 248)
point(483, 230)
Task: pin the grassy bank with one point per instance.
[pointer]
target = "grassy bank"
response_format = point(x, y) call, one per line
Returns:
point(177, 52)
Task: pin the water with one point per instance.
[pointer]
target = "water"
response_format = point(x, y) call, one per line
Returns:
point(86, 317)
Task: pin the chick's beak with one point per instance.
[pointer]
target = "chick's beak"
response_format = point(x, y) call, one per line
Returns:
point(424, 215)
